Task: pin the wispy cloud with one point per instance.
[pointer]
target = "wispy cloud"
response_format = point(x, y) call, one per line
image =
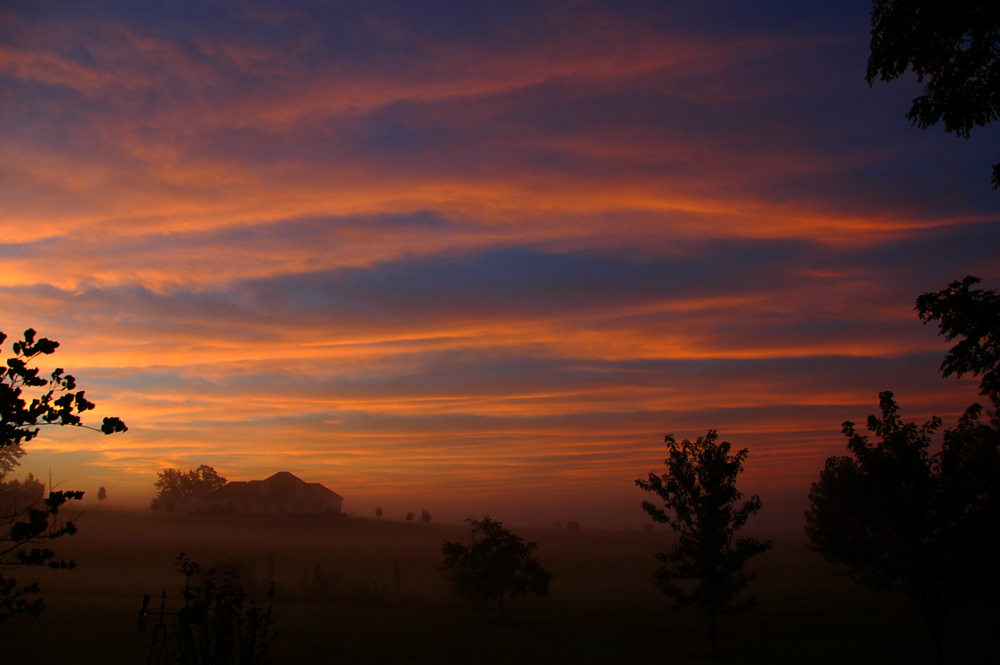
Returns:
point(479, 251)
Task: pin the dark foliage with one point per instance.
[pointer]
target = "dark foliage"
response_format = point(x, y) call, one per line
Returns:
point(494, 563)
point(176, 489)
point(28, 402)
point(17, 495)
point(57, 403)
point(10, 458)
point(955, 47)
point(973, 316)
point(702, 504)
point(903, 519)
point(216, 626)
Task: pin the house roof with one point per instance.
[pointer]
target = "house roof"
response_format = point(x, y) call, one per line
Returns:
point(281, 484)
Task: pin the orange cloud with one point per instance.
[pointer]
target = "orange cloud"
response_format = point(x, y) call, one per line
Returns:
point(489, 263)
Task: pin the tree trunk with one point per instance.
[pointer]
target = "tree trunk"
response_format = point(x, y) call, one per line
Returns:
point(935, 622)
point(711, 633)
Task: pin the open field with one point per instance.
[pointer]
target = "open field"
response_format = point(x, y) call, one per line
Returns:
point(336, 600)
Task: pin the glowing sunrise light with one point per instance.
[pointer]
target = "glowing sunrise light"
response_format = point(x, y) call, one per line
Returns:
point(490, 265)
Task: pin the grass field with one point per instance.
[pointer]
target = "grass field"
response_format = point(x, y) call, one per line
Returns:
point(602, 606)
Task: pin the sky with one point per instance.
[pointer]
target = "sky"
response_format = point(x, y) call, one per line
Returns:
point(477, 258)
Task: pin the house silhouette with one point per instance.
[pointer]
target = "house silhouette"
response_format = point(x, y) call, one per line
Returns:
point(282, 493)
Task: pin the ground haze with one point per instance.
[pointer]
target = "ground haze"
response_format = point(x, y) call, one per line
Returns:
point(340, 600)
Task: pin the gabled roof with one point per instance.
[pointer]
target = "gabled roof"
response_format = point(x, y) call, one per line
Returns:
point(280, 485)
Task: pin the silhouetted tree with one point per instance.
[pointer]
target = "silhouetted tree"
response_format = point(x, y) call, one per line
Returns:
point(955, 46)
point(702, 504)
point(495, 563)
point(425, 517)
point(102, 494)
point(378, 512)
point(216, 625)
point(29, 402)
point(409, 517)
point(902, 519)
point(973, 315)
point(17, 495)
point(10, 458)
point(176, 488)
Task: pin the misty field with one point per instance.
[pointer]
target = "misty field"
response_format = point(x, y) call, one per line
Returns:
point(340, 599)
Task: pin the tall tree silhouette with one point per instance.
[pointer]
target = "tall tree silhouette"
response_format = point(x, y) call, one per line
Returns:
point(29, 402)
point(955, 47)
point(973, 316)
point(903, 519)
point(495, 563)
point(702, 504)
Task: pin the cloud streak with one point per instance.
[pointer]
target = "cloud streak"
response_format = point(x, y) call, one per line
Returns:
point(473, 255)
